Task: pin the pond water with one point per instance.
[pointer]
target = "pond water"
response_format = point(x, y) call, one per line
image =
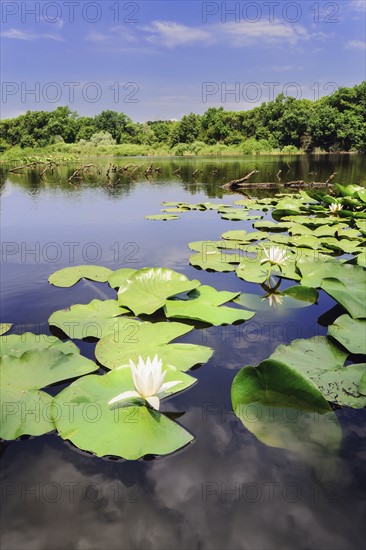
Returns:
point(226, 490)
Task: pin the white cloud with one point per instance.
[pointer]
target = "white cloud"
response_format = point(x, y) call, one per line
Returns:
point(237, 35)
point(358, 5)
point(246, 33)
point(17, 34)
point(357, 44)
point(170, 34)
point(95, 36)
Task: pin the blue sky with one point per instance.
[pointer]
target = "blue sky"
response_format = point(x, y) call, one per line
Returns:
point(162, 59)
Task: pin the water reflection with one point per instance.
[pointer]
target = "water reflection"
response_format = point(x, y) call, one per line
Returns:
point(224, 492)
point(227, 490)
point(191, 174)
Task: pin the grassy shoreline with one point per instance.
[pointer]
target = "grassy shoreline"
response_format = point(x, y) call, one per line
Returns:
point(74, 152)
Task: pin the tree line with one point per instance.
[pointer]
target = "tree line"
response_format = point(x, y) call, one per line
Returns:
point(333, 123)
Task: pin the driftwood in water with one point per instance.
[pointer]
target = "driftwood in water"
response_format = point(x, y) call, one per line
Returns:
point(262, 185)
point(79, 171)
point(331, 177)
point(28, 165)
point(295, 183)
point(234, 184)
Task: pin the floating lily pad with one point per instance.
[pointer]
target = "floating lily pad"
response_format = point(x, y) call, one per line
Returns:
point(69, 276)
point(252, 269)
point(119, 277)
point(351, 333)
point(238, 215)
point(344, 386)
point(351, 297)
point(314, 272)
point(292, 298)
point(323, 362)
point(361, 224)
point(147, 290)
point(284, 409)
point(127, 431)
point(17, 344)
point(162, 217)
point(361, 259)
point(310, 356)
point(150, 339)
point(312, 222)
point(93, 320)
point(268, 225)
point(5, 327)
point(203, 305)
point(235, 235)
point(241, 235)
point(214, 261)
point(26, 409)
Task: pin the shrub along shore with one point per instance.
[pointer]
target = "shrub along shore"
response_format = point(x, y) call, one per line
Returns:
point(332, 124)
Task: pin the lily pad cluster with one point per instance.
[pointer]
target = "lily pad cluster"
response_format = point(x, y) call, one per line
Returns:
point(318, 241)
point(81, 413)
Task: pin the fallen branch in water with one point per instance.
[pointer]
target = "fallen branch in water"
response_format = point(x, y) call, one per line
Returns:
point(79, 171)
point(27, 165)
point(238, 183)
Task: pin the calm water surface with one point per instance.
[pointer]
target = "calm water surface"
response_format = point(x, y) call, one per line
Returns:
point(227, 490)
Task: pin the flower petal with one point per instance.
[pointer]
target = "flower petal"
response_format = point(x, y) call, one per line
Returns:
point(154, 401)
point(169, 385)
point(123, 396)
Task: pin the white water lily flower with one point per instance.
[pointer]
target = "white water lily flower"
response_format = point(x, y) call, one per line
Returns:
point(148, 379)
point(275, 256)
point(334, 207)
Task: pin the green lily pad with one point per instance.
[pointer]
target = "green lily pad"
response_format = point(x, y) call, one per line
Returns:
point(205, 247)
point(203, 305)
point(344, 386)
point(118, 278)
point(93, 320)
point(292, 298)
point(69, 276)
point(238, 215)
point(5, 327)
point(162, 217)
point(129, 431)
point(235, 235)
point(312, 222)
point(214, 261)
point(362, 194)
point(252, 269)
point(314, 272)
point(302, 293)
point(150, 339)
point(284, 409)
point(361, 259)
point(268, 225)
point(310, 356)
point(345, 245)
point(323, 362)
point(350, 333)
point(25, 408)
point(17, 344)
point(352, 298)
point(361, 224)
point(242, 235)
point(147, 290)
